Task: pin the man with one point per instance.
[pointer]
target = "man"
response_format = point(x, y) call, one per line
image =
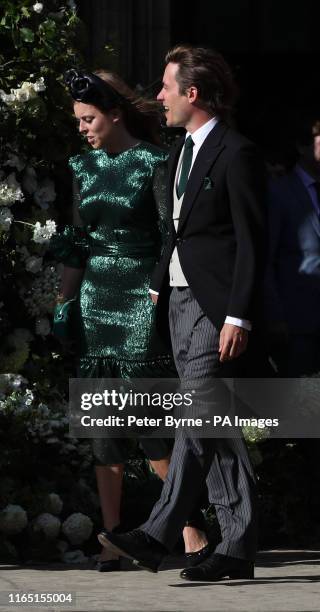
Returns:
point(215, 195)
point(293, 272)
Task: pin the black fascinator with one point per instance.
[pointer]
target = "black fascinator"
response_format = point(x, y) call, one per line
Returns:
point(89, 88)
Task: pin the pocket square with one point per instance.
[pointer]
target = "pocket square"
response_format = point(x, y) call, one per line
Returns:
point(208, 183)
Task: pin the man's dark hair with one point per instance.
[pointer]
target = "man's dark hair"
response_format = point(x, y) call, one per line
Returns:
point(206, 70)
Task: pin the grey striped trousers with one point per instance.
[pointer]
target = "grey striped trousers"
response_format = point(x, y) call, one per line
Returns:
point(223, 464)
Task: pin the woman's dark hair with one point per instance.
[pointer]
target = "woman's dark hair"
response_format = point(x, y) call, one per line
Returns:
point(206, 70)
point(140, 115)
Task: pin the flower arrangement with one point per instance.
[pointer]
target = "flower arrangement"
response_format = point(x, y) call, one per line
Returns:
point(40, 464)
point(39, 41)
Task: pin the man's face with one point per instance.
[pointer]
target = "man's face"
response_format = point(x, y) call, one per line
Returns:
point(177, 107)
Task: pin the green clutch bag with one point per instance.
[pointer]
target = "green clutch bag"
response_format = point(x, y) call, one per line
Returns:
point(63, 319)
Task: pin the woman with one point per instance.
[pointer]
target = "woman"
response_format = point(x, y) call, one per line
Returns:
point(109, 256)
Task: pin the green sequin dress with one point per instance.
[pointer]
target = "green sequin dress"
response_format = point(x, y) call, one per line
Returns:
point(118, 240)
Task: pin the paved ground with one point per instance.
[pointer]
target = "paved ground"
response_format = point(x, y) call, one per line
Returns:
point(285, 581)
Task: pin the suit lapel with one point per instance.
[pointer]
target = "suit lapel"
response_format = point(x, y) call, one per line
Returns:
point(207, 155)
point(303, 198)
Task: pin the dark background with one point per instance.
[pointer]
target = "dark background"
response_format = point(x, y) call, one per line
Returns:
point(272, 46)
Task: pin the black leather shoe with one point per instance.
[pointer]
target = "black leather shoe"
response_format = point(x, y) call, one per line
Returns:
point(218, 567)
point(194, 558)
point(142, 549)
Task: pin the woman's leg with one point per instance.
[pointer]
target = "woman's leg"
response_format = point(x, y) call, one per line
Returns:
point(109, 482)
point(194, 539)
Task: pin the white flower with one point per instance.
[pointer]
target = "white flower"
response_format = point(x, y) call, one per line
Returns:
point(11, 382)
point(25, 92)
point(43, 327)
point(29, 397)
point(6, 217)
point(43, 233)
point(10, 191)
point(74, 556)
point(13, 519)
point(47, 524)
point(39, 85)
point(77, 527)
point(34, 264)
point(29, 181)
point(54, 503)
point(17, 97)
point(7, 98)
point(38, 7)
point(45, 193)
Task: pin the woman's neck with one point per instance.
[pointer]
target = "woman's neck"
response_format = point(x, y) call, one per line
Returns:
point(120, 141)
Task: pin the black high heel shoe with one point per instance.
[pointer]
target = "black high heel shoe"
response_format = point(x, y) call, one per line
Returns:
point(111, 565)
point(194, 558)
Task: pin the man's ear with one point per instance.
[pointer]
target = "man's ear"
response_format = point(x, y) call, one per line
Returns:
point(192, 94)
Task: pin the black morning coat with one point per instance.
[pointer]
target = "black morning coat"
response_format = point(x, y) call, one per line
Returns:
point(222, 227)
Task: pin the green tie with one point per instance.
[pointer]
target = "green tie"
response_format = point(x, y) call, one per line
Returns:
point(185, 166)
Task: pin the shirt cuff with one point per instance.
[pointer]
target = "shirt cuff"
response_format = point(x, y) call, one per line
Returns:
point(239, 322)
point(153, 292)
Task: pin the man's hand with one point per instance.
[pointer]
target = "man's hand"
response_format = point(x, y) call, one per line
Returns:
point(233, 341)
point(154, 297)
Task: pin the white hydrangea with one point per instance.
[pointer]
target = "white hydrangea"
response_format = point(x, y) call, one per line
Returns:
point(13, 519)
point(18, 97)
point(48, 524)
point(54, 503)
point(40, 297)
point(33, 264)
point(6, 217)
point(74, 556)
point(11, 382)
point(38, 7)
point(45, 193)
point(10, 191)
point(43, 327)
point(77, 528)
point(43, 233)
point(39, 85)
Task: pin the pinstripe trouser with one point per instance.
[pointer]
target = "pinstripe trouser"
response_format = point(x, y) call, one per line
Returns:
point(223, 464)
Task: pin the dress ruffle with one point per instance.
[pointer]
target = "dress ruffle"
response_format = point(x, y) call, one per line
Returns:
point(110, 367)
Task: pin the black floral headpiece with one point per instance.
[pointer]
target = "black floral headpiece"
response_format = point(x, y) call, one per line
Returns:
point(91, 89)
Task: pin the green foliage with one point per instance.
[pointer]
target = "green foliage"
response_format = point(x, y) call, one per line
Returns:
point(38, 42)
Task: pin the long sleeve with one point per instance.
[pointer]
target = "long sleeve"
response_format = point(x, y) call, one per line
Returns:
point(71, 246)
